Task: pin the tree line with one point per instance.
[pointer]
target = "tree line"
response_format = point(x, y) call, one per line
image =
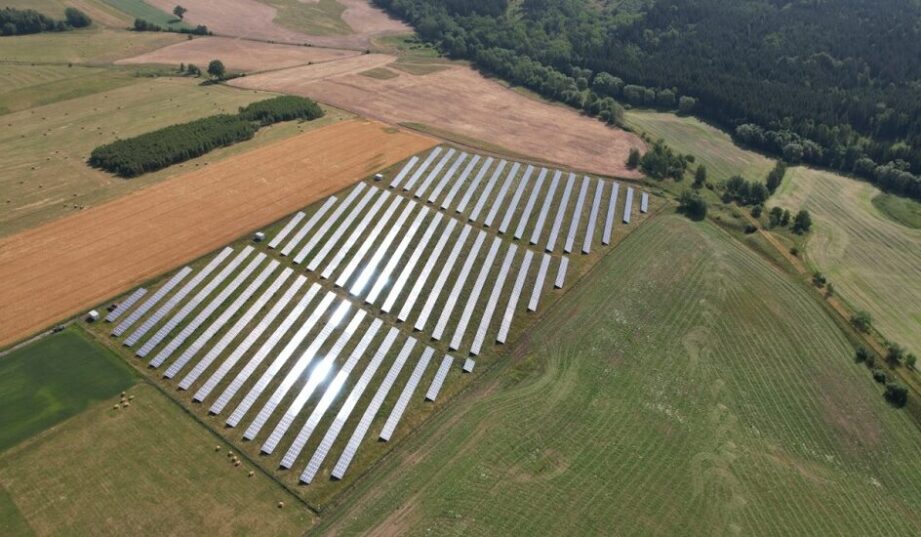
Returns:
point(831, 84)
point(28, 21)
point(177, 143)
point(141, 25)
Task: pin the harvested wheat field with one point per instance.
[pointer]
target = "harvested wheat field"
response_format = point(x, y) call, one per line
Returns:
point(56, 270)
point(255, 20)
point(461, 100)
point(238, 54)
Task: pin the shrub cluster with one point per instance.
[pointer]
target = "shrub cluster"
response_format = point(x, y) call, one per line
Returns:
point(177, 143)
point(141, 25)
point(28, 21)
point(283, 108)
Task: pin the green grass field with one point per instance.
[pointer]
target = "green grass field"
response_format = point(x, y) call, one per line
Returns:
point(709, 145)
point(93, 46)
point(685, 388)
point(141, 10)
point(873, 262)
point(900, 210)
point(148, 469)
point(29, 86)
point(319, 17)
point(59, 376)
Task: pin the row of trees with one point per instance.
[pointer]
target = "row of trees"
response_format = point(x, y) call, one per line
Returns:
point(177, 143)
point(28, 21)
point(141, 25)
point(805, 81)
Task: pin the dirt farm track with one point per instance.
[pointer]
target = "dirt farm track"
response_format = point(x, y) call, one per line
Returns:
point(57, 270)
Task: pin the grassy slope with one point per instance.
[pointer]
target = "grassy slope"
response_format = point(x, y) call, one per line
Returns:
point(93, 46)
point(144, 470)
point(874, 263)
point(29, 86)
point(900, 210)
point(319, 17)
point(657, 399)
point(52, 379)
point(711, 146)
point(142, 10)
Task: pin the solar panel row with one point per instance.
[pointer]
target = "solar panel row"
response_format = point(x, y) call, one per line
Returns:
point(370, 411)
point(364, 242)
point(343, 248)
point(193, 303)
point(422, 169)
point(306, 228)
point(469, 363)
point(515, 296)
point(329, 396)
point(475, 184)
point(628, 205)
point(500, 196)
point(493, 301)
point(593, 218)
point(545, 208)
point(439, 188)
point(576, 216)
point(383, 278)
point(205, 313)
point(484, 196)
point(529, 206)
point(405, 170)
point(126, 304)
point(612, 210)
point(446, 269)
point(367, 274)
point(152, 301)
point(446, 203)
point(439, 379)
point(516, 199)
point(424, 185)
point(561, 273)
point(539, 283)
point(400, 406)
point(328, 223)
point(403, 277)
point(459, 282)
point(461, 329)
point(176, 298)
point(644, 203)
point(276, 240)
point(560, 213)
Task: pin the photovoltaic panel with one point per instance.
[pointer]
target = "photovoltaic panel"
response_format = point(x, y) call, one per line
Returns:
point(328, 223)
point(151, 301)
point(174, 300)
point(280, 360)
point(561, 274)
point(484, 197)
point(475, 184)
point(612, 210)
point(493, 301)
point(241, 323)
point(193, 303)
point(274, 339)
point(576, 216)
point(330, 395)
point(222, 319)
point(295, 220)
point(367, 241)
point(384, 277)
point(311, 223)
point(439, 188)
point(461, 329)
point(628, 205)
point(469, 364)
point(529, 206)
point(370, 412)
point(439, 379)
point(446, 203)
point(545, 208)
point(318, 374)
point(406, 168)
point(516, 199)
point(414, 258)
point(424, 185)
point(500, 197)
point(644, 203)
point(459, 282)
point(446, 269)
point(561, 212)
point(421, 169)
point(400, 407)
point(513, 299)
point(343, 248)
point(539, 283)
point(297, 370)
point(426, 272)
point(176, 341)
point(367, 274)
point(334, 240)
point(126, 304)
point(593, 218)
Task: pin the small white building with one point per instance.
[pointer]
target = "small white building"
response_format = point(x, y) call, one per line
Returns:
point(92, 316)
point(259, 236)
point(378, 176)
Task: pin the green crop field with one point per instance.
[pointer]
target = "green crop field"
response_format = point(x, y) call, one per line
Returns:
point(141, 10)
point(685, 388)
point(709, 145)
point(318, 17)
point(46, 382)
point(28, 86)
point(873, 262)
point(146, 469)
point(92, 46)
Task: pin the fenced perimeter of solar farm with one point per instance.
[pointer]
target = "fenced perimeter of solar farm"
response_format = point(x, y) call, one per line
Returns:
point(316, 349)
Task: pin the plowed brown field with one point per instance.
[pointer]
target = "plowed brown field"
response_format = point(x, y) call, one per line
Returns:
point(56, 270)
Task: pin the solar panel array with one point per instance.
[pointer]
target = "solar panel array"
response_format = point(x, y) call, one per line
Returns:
point(294, 353)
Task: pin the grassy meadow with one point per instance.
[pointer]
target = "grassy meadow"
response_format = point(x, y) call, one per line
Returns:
point(95, 46)
point(318, 17)
point(52, 379)
point(873, 262)
point(138, 9)
point(696, 393)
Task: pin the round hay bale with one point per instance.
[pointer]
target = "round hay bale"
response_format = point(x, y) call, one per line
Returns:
point(281, 504)
point(236, 463)
point(230, 453)
point(115, 407)
point(251, 473)
point(217, 448)
point(125, 404)
point(131, 398)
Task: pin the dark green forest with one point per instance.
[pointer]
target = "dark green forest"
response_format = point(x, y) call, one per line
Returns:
point(830, 83)
point(28, 21)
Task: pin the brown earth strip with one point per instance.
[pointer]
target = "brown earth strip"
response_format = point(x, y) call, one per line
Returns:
point(57, 270)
